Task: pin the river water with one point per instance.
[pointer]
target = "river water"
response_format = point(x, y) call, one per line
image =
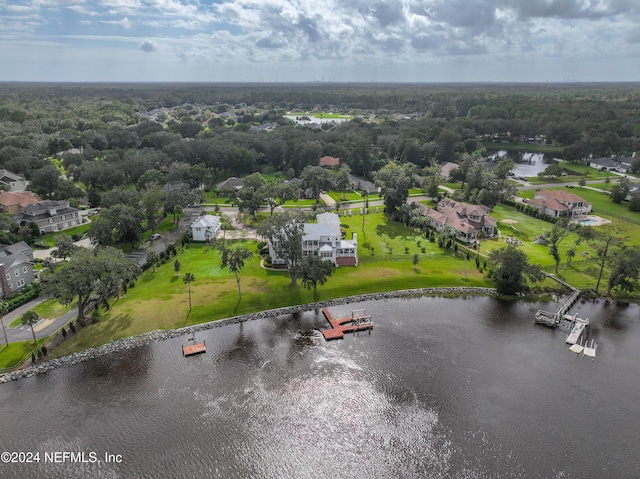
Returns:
point(465, 388)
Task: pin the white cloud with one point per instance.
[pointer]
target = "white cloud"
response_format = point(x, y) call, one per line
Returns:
point(148, 46)
point(375, 37)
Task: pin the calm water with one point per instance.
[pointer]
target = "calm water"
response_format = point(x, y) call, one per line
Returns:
point(526, 164)
point(441, 388)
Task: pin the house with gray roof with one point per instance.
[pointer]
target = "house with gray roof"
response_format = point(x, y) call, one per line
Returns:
point(607, 163)
point(12, 181)
point(16, 267)
point(50, 216)
point(230, 184)
point(324, 239)
point(205, 228)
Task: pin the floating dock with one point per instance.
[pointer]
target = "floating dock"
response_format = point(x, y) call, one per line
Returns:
point(588, 348)
point(590, 351)
point(358, 321)
point(191, 349)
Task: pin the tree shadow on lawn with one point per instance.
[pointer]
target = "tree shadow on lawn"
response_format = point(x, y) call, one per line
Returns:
point(391, 230)
point(108, 328)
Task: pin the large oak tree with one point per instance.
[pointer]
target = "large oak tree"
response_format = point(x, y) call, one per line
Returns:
point(91, 274)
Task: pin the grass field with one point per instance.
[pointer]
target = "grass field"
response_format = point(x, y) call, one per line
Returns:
point(48, 240)
point(50, 308)
point(345, 196)
point(160, 301)
point(15, 353)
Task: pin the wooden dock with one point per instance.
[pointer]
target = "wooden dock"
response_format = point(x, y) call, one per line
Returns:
point(191, 349)
point(349, 324)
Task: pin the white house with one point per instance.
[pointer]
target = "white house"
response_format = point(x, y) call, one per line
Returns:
point(324, 239)
point(205, 228)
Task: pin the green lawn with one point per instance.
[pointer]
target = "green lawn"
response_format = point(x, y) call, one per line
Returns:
point(344, 196)
point(15, 353)
point(574, 173)
point(160, 301)
point(50, 308)
point(48, 240)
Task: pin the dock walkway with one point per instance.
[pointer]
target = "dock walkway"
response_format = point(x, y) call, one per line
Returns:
point(348, 324)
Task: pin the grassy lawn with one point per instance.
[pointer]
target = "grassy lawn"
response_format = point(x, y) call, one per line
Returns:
point(603, 186)
point(160, 301)
point(50, 308)
point(574, 173)
point(15, 353)
point(299, 203)
point(345, 196)
point(48, 240)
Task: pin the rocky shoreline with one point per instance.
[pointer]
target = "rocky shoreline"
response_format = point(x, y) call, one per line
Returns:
point(153, 336)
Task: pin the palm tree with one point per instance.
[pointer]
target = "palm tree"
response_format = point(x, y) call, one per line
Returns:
point(29, 319)
point(188, 278)
point(4, 309)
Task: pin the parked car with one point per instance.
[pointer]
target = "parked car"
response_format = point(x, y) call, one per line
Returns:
point(154, 237)
point(92, 212)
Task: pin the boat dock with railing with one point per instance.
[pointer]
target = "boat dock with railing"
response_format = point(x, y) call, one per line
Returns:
point(358, 321)
point(576, 326)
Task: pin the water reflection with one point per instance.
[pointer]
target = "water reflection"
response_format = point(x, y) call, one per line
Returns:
point(440, 388)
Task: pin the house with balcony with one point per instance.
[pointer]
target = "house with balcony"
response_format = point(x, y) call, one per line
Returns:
point(556, 203)
point(50, 216)
point(325, 239)
point(465, 220)
point(16, 268)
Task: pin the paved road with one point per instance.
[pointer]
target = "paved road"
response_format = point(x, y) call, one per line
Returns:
point(43, 328)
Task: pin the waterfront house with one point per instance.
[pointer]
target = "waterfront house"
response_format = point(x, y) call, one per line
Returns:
point(324, 238)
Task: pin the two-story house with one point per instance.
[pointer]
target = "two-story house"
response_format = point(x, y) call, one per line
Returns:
point(464, 219)
point(324, 239)
point(16, 267)
point(50, 216)
point(205, 228)
point(556, 203)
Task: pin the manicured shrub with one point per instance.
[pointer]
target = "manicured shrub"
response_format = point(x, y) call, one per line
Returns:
point(64, 332)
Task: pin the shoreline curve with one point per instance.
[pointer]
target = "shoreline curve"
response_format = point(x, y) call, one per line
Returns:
point(143, 339)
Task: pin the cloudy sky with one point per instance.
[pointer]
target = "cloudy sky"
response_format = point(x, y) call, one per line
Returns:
point(316, 40)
